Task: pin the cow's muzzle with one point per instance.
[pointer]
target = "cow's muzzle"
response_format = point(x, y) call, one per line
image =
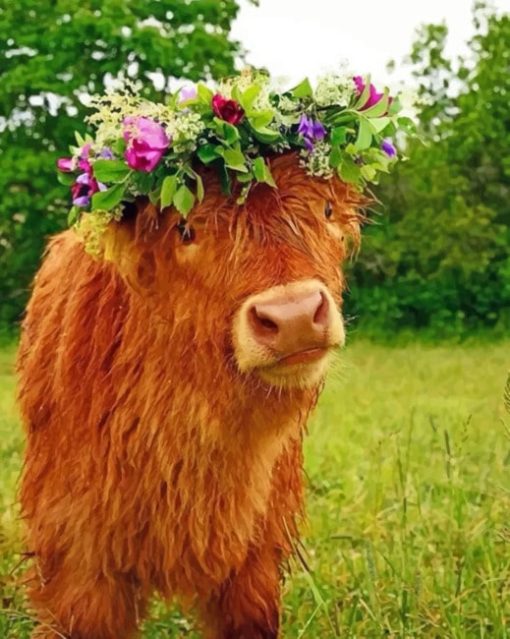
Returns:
point(286, 332)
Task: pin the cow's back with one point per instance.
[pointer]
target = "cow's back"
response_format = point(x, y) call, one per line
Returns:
point(67, 320)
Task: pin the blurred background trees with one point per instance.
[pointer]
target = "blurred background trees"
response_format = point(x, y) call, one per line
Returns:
point(52, 54)
point(437, 258)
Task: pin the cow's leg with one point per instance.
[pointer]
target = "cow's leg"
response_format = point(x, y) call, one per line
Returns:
point(248, 605)
point(76, 606)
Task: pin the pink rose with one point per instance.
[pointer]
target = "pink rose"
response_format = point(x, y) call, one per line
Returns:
point(147, 143)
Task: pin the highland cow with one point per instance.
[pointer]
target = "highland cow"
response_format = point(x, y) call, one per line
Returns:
point(165, 389)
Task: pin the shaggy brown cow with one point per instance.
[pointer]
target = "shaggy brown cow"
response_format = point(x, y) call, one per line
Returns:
point(165, 391)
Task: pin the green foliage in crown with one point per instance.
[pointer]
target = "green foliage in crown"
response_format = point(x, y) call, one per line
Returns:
point(343, 126)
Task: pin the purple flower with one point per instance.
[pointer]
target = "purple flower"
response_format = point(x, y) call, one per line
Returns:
point(374, 95)
point(106, 153)
point(147, 143)
point(389, 148)
point(311, 131)
point(84, 188)
point(188, 92)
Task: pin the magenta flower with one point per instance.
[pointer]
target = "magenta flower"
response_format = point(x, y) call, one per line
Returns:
point(85, 151)
point(389, 148)
point(84, 188)
point(228, 110)
point(311, 131)
point(374, 96)
point(66, 165)
point(188, 92)
point(147, 143)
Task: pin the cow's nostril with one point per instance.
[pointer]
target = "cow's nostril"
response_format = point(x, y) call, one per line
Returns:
point(262, 322)
point(321, 316)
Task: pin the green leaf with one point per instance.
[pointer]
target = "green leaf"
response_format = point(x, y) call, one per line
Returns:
point(234, 159)
point(107, 200)
point(73, 215)
point(364, 139)
point(261, 119)
point(200, 187)
point(110, 170)
point(230, 132)
point(363, 98)
point(143, 181)
point(349, 171)
point(262, 172)
point(335, 157)
point(119, 146)
point(207, 153)
point(266, 135)
point(66, 178)
point(154, 196)
point(380, 108)
point(168, 189)
point(80, 140)
point(339, 135)
point(184, 200)
point(379, 124)
point(204, 94)
point(243, 178)
point(303, 89)
point(248, 97)
point(224, 179)
point(368, 172)
point(395, 106)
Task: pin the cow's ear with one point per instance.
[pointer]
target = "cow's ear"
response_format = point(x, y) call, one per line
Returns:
point(129, 245)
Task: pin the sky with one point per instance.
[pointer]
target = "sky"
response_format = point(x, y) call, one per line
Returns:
point(298, 38)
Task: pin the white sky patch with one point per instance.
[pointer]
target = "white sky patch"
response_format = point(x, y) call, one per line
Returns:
point(298, 38)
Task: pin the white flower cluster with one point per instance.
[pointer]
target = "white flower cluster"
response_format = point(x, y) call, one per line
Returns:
point(113, 107)
point(316, 162)
point(334, 89)
point(90, 228)
point(185, 131)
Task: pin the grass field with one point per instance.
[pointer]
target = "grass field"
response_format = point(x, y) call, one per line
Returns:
point(408, 460)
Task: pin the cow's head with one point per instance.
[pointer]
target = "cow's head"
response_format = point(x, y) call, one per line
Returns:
point(255, 289)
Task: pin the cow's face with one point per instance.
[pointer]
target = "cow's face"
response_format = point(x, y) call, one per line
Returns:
point(253, 289)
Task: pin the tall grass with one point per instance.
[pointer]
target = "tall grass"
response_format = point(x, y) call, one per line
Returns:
point(407, 463)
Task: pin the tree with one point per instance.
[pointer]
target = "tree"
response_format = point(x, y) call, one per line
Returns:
point(440, 255)
point(52, 54)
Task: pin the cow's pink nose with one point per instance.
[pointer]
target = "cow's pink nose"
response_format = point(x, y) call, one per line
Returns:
point(290, 324)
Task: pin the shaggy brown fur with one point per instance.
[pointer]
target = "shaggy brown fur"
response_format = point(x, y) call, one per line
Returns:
point(152, 463)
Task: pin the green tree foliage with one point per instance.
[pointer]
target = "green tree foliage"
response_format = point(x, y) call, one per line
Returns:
point(439, 256)
point(51, 55)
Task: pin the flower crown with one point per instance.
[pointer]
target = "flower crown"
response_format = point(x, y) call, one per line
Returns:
point(344, 126)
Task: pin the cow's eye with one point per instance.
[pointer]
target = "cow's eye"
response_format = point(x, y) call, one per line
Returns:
point(186, 232)
point(328, 211)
